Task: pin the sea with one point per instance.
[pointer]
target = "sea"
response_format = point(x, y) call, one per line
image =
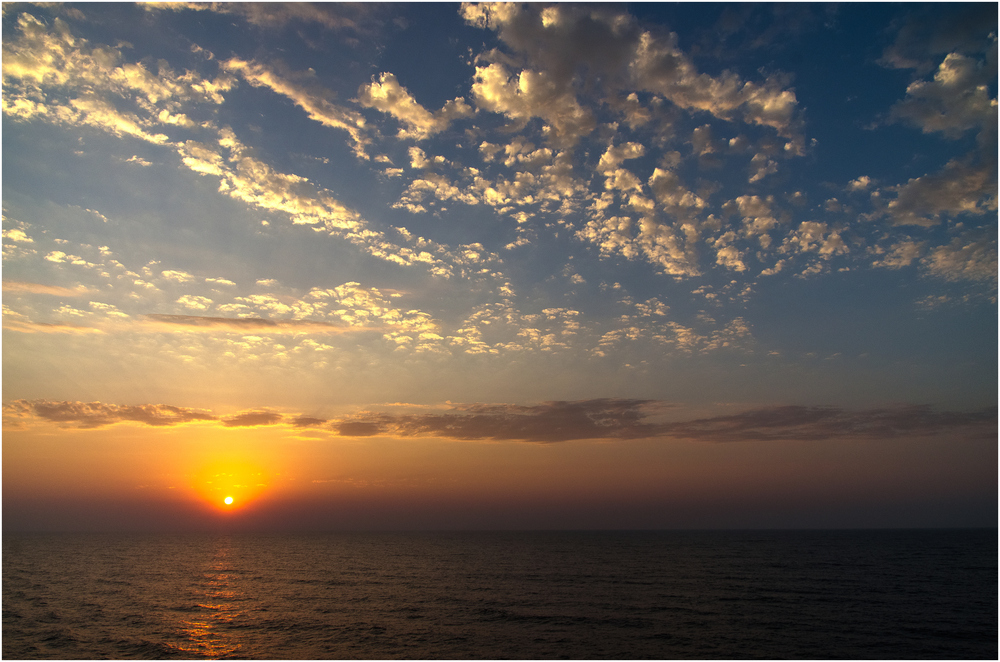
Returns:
point(869, 594)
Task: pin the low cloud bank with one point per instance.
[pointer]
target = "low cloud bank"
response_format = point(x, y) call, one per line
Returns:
point(548, 422)
point(99, 414)
point(241, 324)
point(604, 418)
point(628, 419)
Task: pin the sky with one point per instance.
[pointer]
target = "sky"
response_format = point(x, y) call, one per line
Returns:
point(442, 266)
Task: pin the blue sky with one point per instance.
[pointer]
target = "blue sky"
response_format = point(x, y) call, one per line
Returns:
point(362, 214)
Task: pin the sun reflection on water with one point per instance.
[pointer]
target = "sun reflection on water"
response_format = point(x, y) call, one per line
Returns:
point(216, 610)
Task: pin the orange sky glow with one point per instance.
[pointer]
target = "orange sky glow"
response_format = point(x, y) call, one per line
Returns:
point(282, 478)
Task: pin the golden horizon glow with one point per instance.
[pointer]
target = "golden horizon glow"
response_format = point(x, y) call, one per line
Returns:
point(230, 482)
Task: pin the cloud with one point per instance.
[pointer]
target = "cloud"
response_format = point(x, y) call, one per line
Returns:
point(614, 156)
point(660, 67)
point(50, 74)
point(203, 159)
point(668, 247)
point(335, 16)
point(195, 302)
point(630, 419)
point(673, 196)
point(579, 70)
point(98, 414)
point(815, 237)
point(177, 276)
point(760, 167)
point(247, 178)
point(566, 44)
point(328, 15)
point(860, 184)
point(532, 94)
point(18, 236)
point(252, 419)
point(390, 97)
point(727, 254)
point(972, 256)
point(20, 323)
point(204, 324)
point(548, 422)
point(27, 326)
point(821, 423)
point(955, 101)
point(439, 185)
point(307, 421)
point(563, 39)
point(901, 254)
point(733, 335)
point(16, 286)
point(669, 239)
point(347, 308)
point(89, 415)
point(928, 32)
point(547, 178)
point(302, 89)
point(960, 188)
point(569, 65)
point(366, 428)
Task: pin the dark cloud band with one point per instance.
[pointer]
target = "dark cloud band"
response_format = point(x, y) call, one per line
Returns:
point(629, 419)
point(551, 422)
point(243, 325)
point(99, 414)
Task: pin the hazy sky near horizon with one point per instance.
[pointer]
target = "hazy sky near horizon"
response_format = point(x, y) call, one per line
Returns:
point(499, 266)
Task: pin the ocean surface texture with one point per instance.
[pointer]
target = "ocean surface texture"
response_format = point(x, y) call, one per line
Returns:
point(814, 594)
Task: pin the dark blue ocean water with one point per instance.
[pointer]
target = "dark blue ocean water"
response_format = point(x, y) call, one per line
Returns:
point(770, 594)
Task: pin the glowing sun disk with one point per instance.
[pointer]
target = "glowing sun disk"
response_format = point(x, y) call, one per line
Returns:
point(229, 483)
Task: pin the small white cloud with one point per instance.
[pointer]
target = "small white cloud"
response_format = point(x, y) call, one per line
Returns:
point(902, 254)
point(760, 167)
point(195, 302)
point(960, 187)
point(177, 276)
point(315, 102)
point(390, 97)
point(972, 256)
point(19, 236)
point(860, 184)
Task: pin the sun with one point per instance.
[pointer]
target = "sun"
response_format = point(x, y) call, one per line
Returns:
point(229, 484)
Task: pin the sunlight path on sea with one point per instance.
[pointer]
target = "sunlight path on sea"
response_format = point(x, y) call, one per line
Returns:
point(216, 599)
